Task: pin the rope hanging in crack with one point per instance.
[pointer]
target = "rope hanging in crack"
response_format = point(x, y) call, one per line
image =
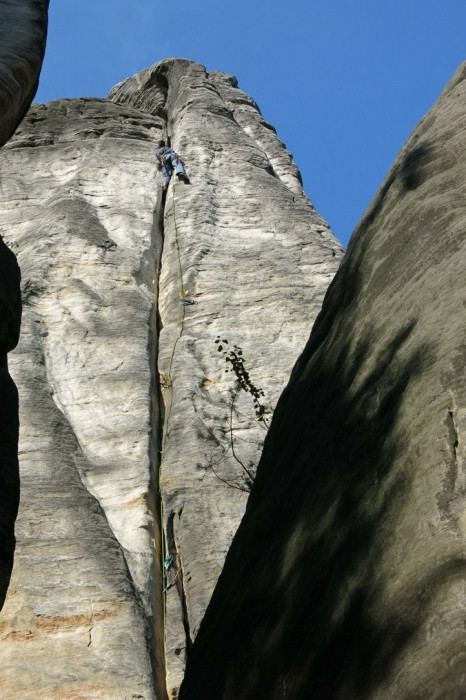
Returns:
point(166, 383)
point(166, 380)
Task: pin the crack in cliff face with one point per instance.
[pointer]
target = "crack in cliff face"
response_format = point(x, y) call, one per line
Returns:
point(155, 501)
point(165, 542)
point(179, 580)
point(115, 336)
point(173, 85)
point(449, 499)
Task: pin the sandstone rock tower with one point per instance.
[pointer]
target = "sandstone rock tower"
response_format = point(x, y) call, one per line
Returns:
point(133, 437)
point(353, 542)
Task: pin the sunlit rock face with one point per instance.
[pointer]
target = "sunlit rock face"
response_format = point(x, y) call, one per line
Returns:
point(80, 219)
point(346, 578)
point(255, 259)
point(23, 26)
point(133, 435)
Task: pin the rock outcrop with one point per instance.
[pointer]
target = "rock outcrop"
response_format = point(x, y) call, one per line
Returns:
point(23, 30)
point(135, 444)
point(346, 578)
point(23, 27)
point(80, 219)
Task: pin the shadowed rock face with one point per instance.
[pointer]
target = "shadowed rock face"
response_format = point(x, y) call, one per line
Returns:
point(126, 409)
point(347, 575)
point(23, 26)
point(10, 319)
point(23, 29)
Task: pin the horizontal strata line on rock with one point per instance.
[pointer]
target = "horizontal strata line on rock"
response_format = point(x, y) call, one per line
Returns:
point(37, 142)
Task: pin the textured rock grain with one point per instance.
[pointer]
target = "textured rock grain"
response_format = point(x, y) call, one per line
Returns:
point(81, 218)
point(23, 29)
point(346, 578)
point(23, 26)
point(126, 370)
point(256, 259)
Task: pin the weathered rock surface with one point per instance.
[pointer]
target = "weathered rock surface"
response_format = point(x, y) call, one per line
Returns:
point(117, 365)
point(23, 26)
point(254, 256)
point(80, 213)
point(346, 578)
point(23, 29)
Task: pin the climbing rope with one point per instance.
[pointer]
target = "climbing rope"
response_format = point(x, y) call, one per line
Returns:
point(167, 559)
point(182, 292)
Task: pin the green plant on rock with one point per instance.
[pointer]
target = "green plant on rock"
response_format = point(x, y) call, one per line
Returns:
point(234, 357)
point(224, 437)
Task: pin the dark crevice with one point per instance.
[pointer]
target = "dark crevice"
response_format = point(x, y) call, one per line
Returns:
point(166, 576)
point(155, 502)
point(452, 416)
point(178, 578)
point(164, 542)
point(447, 497)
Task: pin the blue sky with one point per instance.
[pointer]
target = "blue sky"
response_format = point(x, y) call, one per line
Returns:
point(344, 82)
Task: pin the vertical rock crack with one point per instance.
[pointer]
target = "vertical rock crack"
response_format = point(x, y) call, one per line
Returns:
point(165, 545)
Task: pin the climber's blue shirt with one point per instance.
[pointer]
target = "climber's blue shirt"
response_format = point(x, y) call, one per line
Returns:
point(170, 162)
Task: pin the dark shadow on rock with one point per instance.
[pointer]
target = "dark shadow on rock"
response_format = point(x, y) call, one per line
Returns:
point(414, 169)
point(9, 475)
point(411, 172)
point(298, 589)
point(10, 321)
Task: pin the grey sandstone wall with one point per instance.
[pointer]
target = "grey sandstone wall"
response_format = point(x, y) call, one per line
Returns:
point(128, 418)
point(346, 578)
point(23, 28)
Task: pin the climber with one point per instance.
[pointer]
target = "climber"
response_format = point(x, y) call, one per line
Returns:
point(169, 161)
